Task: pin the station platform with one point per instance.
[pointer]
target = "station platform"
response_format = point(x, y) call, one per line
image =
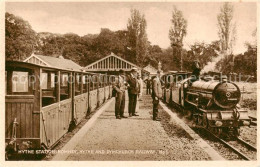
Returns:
point(137, 138)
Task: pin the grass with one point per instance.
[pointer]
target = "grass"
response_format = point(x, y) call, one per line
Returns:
point(248, 95)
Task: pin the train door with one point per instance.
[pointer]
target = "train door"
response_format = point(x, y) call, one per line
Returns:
point(22, 105)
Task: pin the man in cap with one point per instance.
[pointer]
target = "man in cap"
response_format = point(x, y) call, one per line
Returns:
point(156, 95)
point(196, 71)
point(133, 91)
point(119, 86)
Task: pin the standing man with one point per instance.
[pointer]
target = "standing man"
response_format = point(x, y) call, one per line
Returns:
point(156, 95)
point(141, 87)
point(148, 85)
point(133, 92)
point(119, 86)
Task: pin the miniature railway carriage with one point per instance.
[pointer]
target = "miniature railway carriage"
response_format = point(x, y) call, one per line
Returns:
point(172, 87)
point(43, 103)
point(212, 103)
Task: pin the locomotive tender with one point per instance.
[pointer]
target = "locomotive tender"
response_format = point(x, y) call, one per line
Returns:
point(42, 104)
point(213, 104)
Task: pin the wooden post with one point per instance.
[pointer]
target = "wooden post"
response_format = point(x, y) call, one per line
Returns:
point(37, 103)
point(73, 120)
point(98, 90)
point(93, 84)
point(9, 82)
point(108, 63)
point(57, 86)
point(113, 62)
point(88, 89)
point(81, 83)
point(48, 80)
point(70, 83)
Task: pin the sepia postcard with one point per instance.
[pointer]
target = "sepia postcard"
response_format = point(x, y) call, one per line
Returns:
point(129, 83)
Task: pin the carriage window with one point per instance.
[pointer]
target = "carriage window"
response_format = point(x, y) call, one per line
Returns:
point(64, 79)
point(84, 84)
point(52, 80)
point(84, 79)
point(77, 84)
point(48, 85)
point(64, 89)
point(100, 80)
point(78, 81)
point(20, 81)
point(44, 80)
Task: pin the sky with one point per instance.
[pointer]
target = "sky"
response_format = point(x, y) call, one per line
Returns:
point(85, 18)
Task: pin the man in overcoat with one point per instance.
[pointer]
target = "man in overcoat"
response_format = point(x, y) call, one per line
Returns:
point(133, 92)
point(120, 87)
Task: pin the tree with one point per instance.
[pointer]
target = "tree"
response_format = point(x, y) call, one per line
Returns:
point(177, 32)
point(137, 36)
point(226, 28)
point(20, 39)
point(252, 45)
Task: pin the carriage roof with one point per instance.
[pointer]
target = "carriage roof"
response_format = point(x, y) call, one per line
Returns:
point(35, 66)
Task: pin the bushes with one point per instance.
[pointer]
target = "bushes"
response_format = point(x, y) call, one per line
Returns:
point(249, 103)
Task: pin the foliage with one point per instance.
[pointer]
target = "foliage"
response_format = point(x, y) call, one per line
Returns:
point(245, 63)
point(202, 52)
point(227, 28)
point(178, 29)
point(83, 50)
point(20, 39)
point(137, 37)
point(176, 34)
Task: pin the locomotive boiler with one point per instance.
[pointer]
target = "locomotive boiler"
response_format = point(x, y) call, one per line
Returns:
point(222, 95)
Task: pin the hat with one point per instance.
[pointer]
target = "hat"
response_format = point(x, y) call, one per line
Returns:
point(121, 71)
point(134, 69)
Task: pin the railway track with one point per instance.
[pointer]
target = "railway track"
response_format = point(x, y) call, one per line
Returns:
point(245, 150)
point(248, 145)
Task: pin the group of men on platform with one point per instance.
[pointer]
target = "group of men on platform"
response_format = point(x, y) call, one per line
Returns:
point(133, 84)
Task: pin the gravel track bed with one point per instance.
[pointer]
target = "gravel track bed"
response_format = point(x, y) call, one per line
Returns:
point(249, 134)
point(219, 147)
point(178, 134)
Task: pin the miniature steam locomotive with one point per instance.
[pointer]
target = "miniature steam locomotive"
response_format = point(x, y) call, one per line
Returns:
point(212, 104)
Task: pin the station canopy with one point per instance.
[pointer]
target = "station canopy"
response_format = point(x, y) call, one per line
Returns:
point(112, 64)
